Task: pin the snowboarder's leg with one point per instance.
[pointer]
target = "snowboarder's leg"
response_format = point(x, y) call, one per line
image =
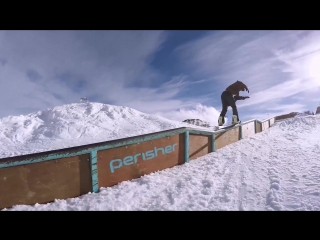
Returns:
point(224, 103)
point(231, 102)
point(222, 115)
point(235, 117)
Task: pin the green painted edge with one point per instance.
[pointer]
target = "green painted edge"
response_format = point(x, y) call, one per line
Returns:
point(94, 171)
point(199, 132)
point(186, 146)
point(213, 143)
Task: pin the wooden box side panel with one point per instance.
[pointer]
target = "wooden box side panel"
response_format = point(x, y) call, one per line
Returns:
point(248, 130)
point(45, 181)
point(226, 138)
point(133, 161)
point(199, 145)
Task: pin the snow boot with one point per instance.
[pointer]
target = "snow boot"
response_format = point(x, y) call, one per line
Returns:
point(235, 119)
point(221, 121)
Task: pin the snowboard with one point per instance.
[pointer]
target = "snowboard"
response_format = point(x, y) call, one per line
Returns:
point(230, 126)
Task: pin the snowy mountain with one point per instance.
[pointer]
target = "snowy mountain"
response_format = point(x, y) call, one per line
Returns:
point(76, 124)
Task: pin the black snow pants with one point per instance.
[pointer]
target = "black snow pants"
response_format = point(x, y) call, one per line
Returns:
point(228, 100)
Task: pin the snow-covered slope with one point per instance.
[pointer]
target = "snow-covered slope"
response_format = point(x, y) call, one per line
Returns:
point(74, 125)
point(277, 169)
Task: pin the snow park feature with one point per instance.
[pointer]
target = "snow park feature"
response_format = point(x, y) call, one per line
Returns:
point(250, 167)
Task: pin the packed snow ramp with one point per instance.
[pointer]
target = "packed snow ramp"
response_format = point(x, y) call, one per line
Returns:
point(71, 172)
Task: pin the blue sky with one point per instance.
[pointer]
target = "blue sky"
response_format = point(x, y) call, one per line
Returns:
point(174, 74)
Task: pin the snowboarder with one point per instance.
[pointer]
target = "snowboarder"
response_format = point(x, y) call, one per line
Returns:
point(229, 98)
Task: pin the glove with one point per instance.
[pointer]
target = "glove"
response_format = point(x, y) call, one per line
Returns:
point(244, 97)
point(246, 88)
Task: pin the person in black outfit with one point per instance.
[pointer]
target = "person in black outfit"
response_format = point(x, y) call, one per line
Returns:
point(229, 98)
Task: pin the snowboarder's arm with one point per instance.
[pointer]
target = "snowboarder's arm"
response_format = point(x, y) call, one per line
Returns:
point(237, 97)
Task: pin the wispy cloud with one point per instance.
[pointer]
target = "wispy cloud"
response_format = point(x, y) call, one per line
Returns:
point(159, 100)
point(279, 91)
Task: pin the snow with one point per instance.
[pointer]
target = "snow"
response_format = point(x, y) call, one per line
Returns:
point(74, 125)
point(278, 169)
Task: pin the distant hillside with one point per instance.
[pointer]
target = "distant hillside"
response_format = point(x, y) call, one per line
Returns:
point(197, 122)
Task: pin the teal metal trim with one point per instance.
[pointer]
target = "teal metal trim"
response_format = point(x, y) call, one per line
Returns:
point(41, 159)
point(88, 151)
point(213, 144)
point(223, 130)
point(94, 171)
point(199, 132)
point(186, 146)
point(244, 123)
